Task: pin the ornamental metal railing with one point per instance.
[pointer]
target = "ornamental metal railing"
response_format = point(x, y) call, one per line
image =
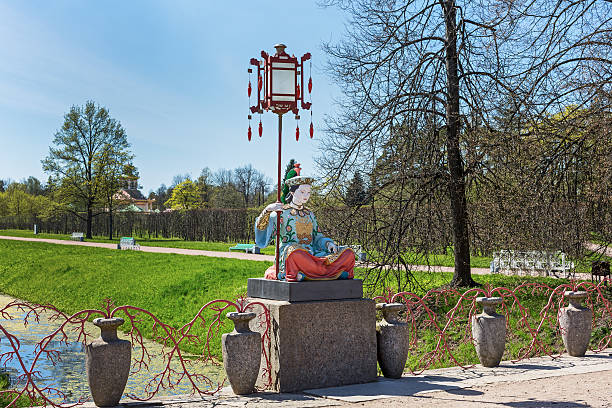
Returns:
point(439, 323)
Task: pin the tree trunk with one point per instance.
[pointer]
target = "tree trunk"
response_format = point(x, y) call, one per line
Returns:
point(110, 223)
point(456, 185)
point(89, 219)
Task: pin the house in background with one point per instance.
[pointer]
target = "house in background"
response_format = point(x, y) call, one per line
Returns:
point(131, 196)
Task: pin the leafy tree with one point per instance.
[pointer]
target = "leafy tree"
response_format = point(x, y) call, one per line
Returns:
point(185, 196)
point(440, 71)
point(33, 186)
point(205, 186)
point(356, 193)
point(113, 170)
point(88, 144)
point(161, 195)
point(226, 196)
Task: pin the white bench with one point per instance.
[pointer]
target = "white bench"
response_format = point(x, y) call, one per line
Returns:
point(77, 236)
point(128, 243)
point(533, 263)
point(359, 254)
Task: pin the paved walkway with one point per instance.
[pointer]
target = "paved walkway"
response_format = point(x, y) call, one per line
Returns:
point(162, 250)
point(537, 382)
point(243, 255)
point(605, 250)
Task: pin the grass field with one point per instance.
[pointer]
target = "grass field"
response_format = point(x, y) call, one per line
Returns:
point(174, 287)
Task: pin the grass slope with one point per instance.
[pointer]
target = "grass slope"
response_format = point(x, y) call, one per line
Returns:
point(72, 278)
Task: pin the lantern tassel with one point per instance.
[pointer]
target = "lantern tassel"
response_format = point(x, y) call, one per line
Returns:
point(297, 92)
point(249, 89)
point(297, 133)
point(260, 128)
point(249, 133)
point(310, 85)
point(311, 130)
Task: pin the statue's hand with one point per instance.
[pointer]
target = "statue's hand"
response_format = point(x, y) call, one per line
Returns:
point(332, 247)
point(274, 207)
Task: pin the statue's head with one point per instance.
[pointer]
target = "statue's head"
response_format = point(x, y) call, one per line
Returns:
point(299, 189)
point(296, 188)
point(299, 194)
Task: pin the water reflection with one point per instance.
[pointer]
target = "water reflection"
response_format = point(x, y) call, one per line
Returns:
point(68, 373)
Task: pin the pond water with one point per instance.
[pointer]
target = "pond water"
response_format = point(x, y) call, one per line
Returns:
point(68, 373)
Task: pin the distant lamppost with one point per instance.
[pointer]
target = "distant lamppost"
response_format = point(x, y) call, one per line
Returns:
point(280, 84)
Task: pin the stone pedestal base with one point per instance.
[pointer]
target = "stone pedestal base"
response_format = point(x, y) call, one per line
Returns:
point(318, 344)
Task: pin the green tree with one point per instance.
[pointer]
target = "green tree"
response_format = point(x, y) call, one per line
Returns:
point(356, 193)
point(185, 196)
point(88, 143)
point(113, 169)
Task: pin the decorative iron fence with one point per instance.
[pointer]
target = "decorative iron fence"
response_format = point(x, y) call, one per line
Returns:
point(178, 366)
point(446, 314)
point(439, 322)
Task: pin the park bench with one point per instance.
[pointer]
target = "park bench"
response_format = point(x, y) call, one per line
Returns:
point(359, 254)
point(128, 243)
point(248, 248)
point(600, 270)
point(77, 236)
point(533, 263)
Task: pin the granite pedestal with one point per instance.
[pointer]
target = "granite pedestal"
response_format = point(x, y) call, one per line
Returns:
point(324, 339)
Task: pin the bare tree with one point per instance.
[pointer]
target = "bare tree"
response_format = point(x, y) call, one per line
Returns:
point(441, 73)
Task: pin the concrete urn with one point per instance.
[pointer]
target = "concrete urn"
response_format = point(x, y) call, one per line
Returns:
point(241, 354)
point(392, 340)
point(576, 322)
point(489, 332)
point(107, 362)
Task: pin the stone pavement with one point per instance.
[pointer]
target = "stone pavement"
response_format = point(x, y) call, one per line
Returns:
point(537, 382)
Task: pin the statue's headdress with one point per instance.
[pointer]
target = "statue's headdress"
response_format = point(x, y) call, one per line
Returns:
point(293, 178)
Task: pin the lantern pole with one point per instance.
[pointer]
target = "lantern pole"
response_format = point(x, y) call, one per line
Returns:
point(266, 101)
point(278, 191)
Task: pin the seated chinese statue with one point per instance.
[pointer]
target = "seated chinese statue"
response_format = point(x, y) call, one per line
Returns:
point(305, 253)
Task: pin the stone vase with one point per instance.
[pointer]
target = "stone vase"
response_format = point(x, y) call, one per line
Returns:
point(107, 362)
point(392, 340)
point(489, 332)
point(241, 354)
point(576, 322)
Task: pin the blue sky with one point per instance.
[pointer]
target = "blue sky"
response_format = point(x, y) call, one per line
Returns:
point(174, 73)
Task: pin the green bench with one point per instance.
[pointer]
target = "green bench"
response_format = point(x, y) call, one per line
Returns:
point(248, 248)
